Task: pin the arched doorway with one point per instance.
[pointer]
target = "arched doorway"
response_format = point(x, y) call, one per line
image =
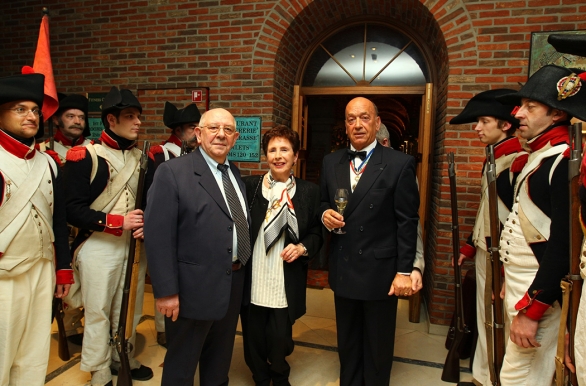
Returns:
point(372, 59)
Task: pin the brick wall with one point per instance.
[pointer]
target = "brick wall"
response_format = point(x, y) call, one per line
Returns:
point(248, 53)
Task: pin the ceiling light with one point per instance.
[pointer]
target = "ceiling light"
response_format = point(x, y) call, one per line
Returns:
point(373, 48)
point(352, 56)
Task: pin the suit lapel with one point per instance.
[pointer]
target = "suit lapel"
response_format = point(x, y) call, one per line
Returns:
point(374, 168)
point(343, 174)
point(208, 181)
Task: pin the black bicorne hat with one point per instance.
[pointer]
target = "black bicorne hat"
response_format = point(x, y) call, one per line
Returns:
point(74, 101)
point(173, 117)
point(119, 100)
point(24, 87)
point(568, 43)
point(557, 87)
point(485, 104)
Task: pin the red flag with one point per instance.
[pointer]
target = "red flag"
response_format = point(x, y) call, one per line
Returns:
point(43, 65)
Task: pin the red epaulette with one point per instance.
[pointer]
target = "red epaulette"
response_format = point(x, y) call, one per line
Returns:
point(55, 156)
point(155, 150)
point(519, 163)
point(76, 154)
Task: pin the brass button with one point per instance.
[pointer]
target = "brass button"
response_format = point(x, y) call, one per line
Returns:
point(584, 253)
point(507, 252)
point(109, 225)
point(534, 292)
point(524, 310)
point(538, 237)
point(99, 221)
point(49, 181)
point(508, 243)
point(510, 231)
point(506, 260)
point(514, 222)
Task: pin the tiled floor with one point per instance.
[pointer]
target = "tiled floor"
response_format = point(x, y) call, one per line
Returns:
point(419, 355)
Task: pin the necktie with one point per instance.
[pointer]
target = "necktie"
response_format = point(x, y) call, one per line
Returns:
point(353, 154)
point(242, 231)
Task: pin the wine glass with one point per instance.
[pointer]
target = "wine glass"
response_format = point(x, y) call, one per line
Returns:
point(341, 199)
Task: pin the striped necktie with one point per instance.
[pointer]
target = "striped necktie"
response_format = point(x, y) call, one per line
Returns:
point(242, 231)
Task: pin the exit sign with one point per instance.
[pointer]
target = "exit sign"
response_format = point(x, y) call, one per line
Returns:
point(197, 96)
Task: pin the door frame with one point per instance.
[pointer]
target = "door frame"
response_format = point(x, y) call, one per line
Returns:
point(299, 123)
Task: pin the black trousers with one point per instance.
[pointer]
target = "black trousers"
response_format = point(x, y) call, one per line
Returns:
point(207, 342)
point(268, 339)
point(366, 340)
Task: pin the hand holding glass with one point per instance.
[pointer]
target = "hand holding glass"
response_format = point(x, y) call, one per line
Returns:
point(341, 199)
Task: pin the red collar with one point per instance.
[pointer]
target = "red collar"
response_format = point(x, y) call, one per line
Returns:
point(111, 142)
point(554, 136)
point(15, 147)
point(59, 137)
point(507, 146)
point(174, 139)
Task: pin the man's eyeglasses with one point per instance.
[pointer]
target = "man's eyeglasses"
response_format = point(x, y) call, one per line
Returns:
point(229, 131)
point(22, 112)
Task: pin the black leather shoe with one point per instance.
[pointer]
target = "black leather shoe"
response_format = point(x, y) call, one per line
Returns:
point(76, 339)
point(143, 373)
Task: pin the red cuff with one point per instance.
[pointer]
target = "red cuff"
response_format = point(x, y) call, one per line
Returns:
point(65, 276)
point(531, 307)
point(114, 231)
point(468, 250)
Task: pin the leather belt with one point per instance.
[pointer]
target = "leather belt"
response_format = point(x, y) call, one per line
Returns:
point(236, 266)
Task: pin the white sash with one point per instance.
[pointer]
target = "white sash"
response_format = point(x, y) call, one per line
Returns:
point(171, 147)
point(24, 192)
point(126, 170)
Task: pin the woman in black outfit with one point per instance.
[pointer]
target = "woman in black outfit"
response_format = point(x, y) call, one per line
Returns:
point(286, 234)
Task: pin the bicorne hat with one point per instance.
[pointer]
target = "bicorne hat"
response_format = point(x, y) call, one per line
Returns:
point(118, 100)
point(173, 117)
point(485, 104)
point(24, 87)
point(568, 43)
point(557, 87)
point(74, 101)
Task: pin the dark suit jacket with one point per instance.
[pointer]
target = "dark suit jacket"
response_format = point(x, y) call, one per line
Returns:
point(188, 237)
point(306, 204)
point(381, 222)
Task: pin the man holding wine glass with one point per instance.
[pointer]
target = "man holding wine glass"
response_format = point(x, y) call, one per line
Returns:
point(371, 262)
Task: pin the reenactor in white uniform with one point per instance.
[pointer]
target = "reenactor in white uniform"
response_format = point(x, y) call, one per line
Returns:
point(182, 123)
point(576, 45)
point(34, 253)
point(102, 180)
point(72, 123)
point(495, 125)
point(535, 239)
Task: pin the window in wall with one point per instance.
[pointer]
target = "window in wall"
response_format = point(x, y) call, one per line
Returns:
point(366, 54)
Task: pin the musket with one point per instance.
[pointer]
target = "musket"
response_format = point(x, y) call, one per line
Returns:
point(123, 333)
point(572, 283)
point(451, 371)
point(496, 324)
point(183, 148)
point(61, 337)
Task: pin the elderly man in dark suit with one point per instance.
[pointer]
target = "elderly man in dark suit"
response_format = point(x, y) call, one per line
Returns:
point(370, 264)
point(197, 244)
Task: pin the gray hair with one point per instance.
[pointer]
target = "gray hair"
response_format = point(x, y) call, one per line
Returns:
point(382, 133)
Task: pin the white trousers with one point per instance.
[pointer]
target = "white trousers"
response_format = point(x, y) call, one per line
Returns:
point(529, 366)
point(480, 370)
point(580, 340)
point(102, 266)
point(25, 325)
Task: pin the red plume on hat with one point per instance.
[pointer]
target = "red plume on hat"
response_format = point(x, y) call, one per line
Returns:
point(43, 65)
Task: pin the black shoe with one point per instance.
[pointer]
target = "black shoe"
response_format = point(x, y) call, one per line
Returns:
point(76, 339)
point(162, 339)
point(143, 373)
